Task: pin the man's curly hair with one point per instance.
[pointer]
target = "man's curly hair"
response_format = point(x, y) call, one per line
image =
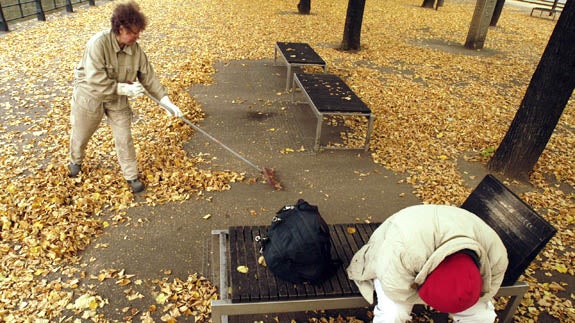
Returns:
point(128, 14)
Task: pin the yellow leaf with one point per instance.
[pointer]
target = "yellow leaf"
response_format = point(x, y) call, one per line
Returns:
point(262, 261)
point(93, 304)
point(123, 282)
point(161, 298)
point(243, 269)
point(11, 189)
point(561, 268)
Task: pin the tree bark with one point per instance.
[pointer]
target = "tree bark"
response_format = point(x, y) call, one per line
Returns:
point(304, 7)
point(428, 3)
point(547, 95)
point(480, 24)
point(353, 21)
point(439, 4)
point(497, 13)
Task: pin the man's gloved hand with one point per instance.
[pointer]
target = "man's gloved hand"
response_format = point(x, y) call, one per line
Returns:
point(133, 90)
point(175, 111)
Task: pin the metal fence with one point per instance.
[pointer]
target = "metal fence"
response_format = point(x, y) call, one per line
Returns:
point(12, 10)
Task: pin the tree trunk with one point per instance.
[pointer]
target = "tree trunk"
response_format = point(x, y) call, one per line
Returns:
point(480, 24)
point(304, 7)
point(353, 21)
point(439, 4)
point(547, 95)
point(497, 13)
point(428, 3)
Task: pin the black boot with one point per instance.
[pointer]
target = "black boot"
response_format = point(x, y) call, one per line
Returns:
point(136, 185)
point(74, 169)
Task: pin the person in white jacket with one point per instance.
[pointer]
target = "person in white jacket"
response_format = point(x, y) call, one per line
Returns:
point(113, 68)
point(442, 256)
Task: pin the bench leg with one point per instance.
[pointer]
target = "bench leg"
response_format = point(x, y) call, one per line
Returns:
point(217, 312)
point(368, 134)
point(507, 314)
point(217, 315)
point(293, 85)
point(318, 132)
point(515, 292)
point(288, 77)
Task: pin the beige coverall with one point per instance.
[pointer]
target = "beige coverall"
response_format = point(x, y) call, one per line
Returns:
point(104, 65)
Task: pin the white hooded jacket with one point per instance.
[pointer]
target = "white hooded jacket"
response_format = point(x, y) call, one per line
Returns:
point(407, 247)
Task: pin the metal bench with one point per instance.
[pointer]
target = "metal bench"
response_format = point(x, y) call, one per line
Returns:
point(549, 12)
point(328, 95)
point(297, 54)
point(521, 229)
point(259, 291)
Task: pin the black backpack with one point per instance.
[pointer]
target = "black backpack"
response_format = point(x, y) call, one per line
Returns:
point(298, 247)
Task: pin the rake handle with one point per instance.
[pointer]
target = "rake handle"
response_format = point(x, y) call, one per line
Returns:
point(205, 133)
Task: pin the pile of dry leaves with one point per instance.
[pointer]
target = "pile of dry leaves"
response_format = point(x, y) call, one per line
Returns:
point(435, 105)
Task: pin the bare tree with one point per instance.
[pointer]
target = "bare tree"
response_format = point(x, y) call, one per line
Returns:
point(428, 3)
point(353, 21)
point(480, 24)
point(304, 7)
point(497, 13)
point(547, 95)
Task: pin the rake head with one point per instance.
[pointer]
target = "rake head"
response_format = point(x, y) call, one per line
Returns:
point(269, 175)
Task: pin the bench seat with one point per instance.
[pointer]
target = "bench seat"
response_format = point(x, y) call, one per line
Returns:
point(328, 95)
point(297, 54)
point(259, 291)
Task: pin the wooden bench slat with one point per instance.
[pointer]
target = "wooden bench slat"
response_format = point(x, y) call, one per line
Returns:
point(350, 247)
point(246, 253)
point(256, 291)
point(235, 281)
point(266, 281)
point(340, 277)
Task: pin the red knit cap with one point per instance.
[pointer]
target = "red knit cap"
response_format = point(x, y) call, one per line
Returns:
point(454, 286)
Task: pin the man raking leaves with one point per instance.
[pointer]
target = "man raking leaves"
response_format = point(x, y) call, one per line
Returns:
point(112, 69)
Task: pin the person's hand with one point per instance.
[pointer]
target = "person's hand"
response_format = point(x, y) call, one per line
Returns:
point(171, 108)
point(133, 90)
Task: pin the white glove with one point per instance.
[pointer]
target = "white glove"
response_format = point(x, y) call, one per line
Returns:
point(133, 90)
point(171, 108)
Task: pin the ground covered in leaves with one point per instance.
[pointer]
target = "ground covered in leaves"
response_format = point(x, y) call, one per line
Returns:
point(436, 104)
